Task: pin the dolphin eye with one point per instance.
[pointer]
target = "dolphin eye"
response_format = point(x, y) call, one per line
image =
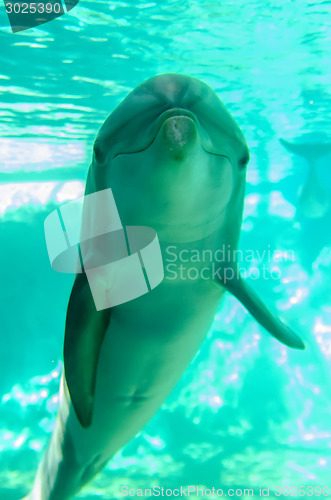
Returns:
point(97, 152)
point(244, 161)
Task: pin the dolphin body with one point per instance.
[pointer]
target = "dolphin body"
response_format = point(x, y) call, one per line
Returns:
point(175, 160)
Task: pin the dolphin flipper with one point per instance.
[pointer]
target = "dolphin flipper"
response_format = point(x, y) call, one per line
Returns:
point(84, 333)
point(251, 301)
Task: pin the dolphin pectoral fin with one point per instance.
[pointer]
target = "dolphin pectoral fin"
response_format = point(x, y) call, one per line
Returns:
point(84, 333)
point(251, 301)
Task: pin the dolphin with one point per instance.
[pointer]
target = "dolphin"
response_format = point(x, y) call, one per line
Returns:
point(314, 200)
point(175, 160)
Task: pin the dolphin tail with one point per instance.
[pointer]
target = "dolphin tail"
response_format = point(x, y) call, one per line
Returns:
point(60, 473)
point(310, 151)
point(250, 300)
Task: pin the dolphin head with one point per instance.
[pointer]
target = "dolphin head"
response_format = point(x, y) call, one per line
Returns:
point(174, 157)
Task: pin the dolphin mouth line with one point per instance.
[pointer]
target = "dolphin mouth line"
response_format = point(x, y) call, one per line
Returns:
point(171, 113)
point(174, 113)
point(215, 219)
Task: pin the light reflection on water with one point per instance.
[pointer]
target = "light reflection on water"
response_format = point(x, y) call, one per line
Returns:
point(248, 410)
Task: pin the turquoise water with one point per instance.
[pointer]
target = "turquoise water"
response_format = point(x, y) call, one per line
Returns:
point(248, 412)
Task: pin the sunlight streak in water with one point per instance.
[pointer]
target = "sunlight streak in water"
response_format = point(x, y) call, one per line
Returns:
point(16, 195)
point(24, 155)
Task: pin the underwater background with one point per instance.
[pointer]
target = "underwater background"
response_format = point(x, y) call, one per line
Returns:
point(248, 412)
